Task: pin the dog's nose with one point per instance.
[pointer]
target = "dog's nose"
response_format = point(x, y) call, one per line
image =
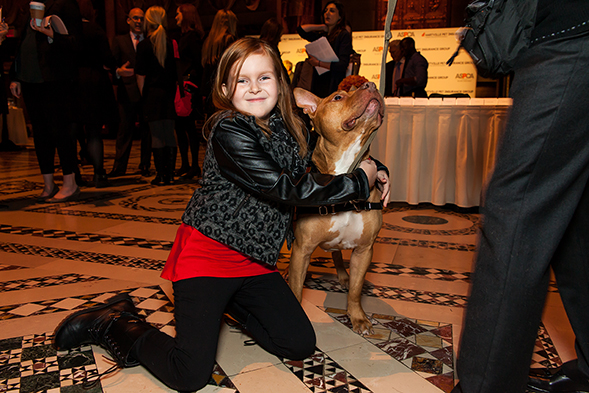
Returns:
point(369, 85)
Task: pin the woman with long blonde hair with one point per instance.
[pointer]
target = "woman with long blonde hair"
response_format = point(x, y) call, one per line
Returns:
point(156, 78)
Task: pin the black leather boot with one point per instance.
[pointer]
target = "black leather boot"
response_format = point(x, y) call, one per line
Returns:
point(113, 325)
point(160, 166)
point(100, 179)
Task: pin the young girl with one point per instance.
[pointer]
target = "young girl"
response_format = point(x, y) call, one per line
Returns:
point(225, 253)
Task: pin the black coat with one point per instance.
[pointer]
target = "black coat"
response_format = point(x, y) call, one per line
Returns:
point(95, 96)
point(123, 51)
point(57, 57)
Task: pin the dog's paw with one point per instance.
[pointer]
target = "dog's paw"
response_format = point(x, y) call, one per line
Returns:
point(363, 327)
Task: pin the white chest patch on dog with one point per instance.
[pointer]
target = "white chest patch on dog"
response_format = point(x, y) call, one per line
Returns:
point(348, 156)
point(349, 227)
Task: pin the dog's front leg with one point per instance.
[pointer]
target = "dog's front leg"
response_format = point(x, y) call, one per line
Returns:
point(359, 263)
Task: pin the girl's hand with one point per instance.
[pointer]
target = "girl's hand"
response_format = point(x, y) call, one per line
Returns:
point(47, 30)
point(384, 186)
point(369, 168)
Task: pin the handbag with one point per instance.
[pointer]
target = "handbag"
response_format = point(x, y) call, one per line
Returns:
point(183, 99)
point(496, 33)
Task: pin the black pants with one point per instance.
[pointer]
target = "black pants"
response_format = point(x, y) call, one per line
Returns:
point(48, 106)
point(130, 114)
point(535, 216)
point(277, 322)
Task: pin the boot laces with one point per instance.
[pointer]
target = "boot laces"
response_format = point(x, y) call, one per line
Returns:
point(88, 382)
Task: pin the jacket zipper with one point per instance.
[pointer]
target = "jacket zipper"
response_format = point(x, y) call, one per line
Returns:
point(238, 208)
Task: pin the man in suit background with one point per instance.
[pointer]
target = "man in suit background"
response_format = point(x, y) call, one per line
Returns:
point(124, 48)
point(414, 76)
point(394, 68)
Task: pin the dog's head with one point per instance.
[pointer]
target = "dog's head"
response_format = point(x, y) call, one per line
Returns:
point(343, 122)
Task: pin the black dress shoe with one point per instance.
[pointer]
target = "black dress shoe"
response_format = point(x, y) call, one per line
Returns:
point(116, 173)
point(566, 379)
point(54, 191)
point(72, 197)
point(101, 181)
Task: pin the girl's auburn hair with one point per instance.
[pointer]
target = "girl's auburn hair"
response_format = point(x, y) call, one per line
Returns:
point(232, 60)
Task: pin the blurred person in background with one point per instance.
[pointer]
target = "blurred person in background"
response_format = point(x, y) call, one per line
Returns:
point(190, 69)
point(156, 78)
point(96, 105)
point(124, 50)
point(340, 39)
point(43, 73)
point(222, 34)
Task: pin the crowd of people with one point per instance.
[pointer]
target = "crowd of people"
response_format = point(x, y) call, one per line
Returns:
point(163, 84)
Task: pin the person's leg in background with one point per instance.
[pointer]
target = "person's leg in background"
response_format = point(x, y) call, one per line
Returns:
point(44, 143)
point(124, 140)
point(534, 191)
point(164, 151)
point(182, 125)
point(145, 163)
point(95, 147)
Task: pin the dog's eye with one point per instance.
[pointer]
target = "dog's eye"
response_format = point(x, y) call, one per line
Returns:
point(337, 97)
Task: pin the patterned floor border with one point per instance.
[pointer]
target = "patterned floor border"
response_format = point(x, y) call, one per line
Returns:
point(166, 244)
point(425, 347)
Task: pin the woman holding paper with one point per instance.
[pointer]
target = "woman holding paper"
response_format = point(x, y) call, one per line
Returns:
point(340, 40)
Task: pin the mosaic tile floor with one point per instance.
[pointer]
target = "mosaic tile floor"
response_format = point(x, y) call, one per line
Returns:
point(55, 259)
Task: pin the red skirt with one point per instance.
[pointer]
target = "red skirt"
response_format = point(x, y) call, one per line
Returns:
point(196, 255)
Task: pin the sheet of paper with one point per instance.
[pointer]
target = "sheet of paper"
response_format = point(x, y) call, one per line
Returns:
point(322, 51)
point(56, 24)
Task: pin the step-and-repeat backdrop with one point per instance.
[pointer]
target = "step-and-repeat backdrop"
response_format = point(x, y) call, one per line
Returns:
point(436, 45)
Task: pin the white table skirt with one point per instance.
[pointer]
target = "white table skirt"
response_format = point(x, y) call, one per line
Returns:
point(440, 151)
point(17, 128)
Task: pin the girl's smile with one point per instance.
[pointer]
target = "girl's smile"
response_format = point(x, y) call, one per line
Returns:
point(256, 86)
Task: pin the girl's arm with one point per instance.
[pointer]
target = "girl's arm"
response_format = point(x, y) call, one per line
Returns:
point(243, 161)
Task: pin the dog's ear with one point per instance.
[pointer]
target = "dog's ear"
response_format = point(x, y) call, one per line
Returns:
point(306, 100)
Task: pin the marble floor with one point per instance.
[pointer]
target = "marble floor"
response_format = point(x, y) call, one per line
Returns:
point(57, 258)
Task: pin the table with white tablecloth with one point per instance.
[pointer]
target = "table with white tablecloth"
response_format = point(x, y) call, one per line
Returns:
point(440, 151)
point(17, 127)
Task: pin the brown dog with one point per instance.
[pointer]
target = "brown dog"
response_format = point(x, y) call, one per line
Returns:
point(343, 122)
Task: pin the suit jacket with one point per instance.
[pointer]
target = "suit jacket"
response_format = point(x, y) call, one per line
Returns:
point(57, 59)
point(415, 66)
point(123, 51)
point(390, 69)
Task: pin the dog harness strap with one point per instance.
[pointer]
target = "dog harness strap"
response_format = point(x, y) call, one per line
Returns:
point(341, 207)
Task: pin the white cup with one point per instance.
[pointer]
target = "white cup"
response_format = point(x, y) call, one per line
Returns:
point(37, 12)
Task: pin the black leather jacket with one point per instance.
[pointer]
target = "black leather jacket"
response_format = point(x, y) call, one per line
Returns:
point(252, 182)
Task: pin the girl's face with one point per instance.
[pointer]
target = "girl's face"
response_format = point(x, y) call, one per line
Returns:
point(178, 17)
point(256, 86)
point(331, 15)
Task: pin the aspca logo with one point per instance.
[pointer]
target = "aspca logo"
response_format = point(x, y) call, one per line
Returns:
point(465, 75)
point(301, 50)
point(377, 49)
point(403, 34)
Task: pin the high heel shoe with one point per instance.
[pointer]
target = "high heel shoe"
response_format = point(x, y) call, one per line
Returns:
point(45, 198)
point(68, 198)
